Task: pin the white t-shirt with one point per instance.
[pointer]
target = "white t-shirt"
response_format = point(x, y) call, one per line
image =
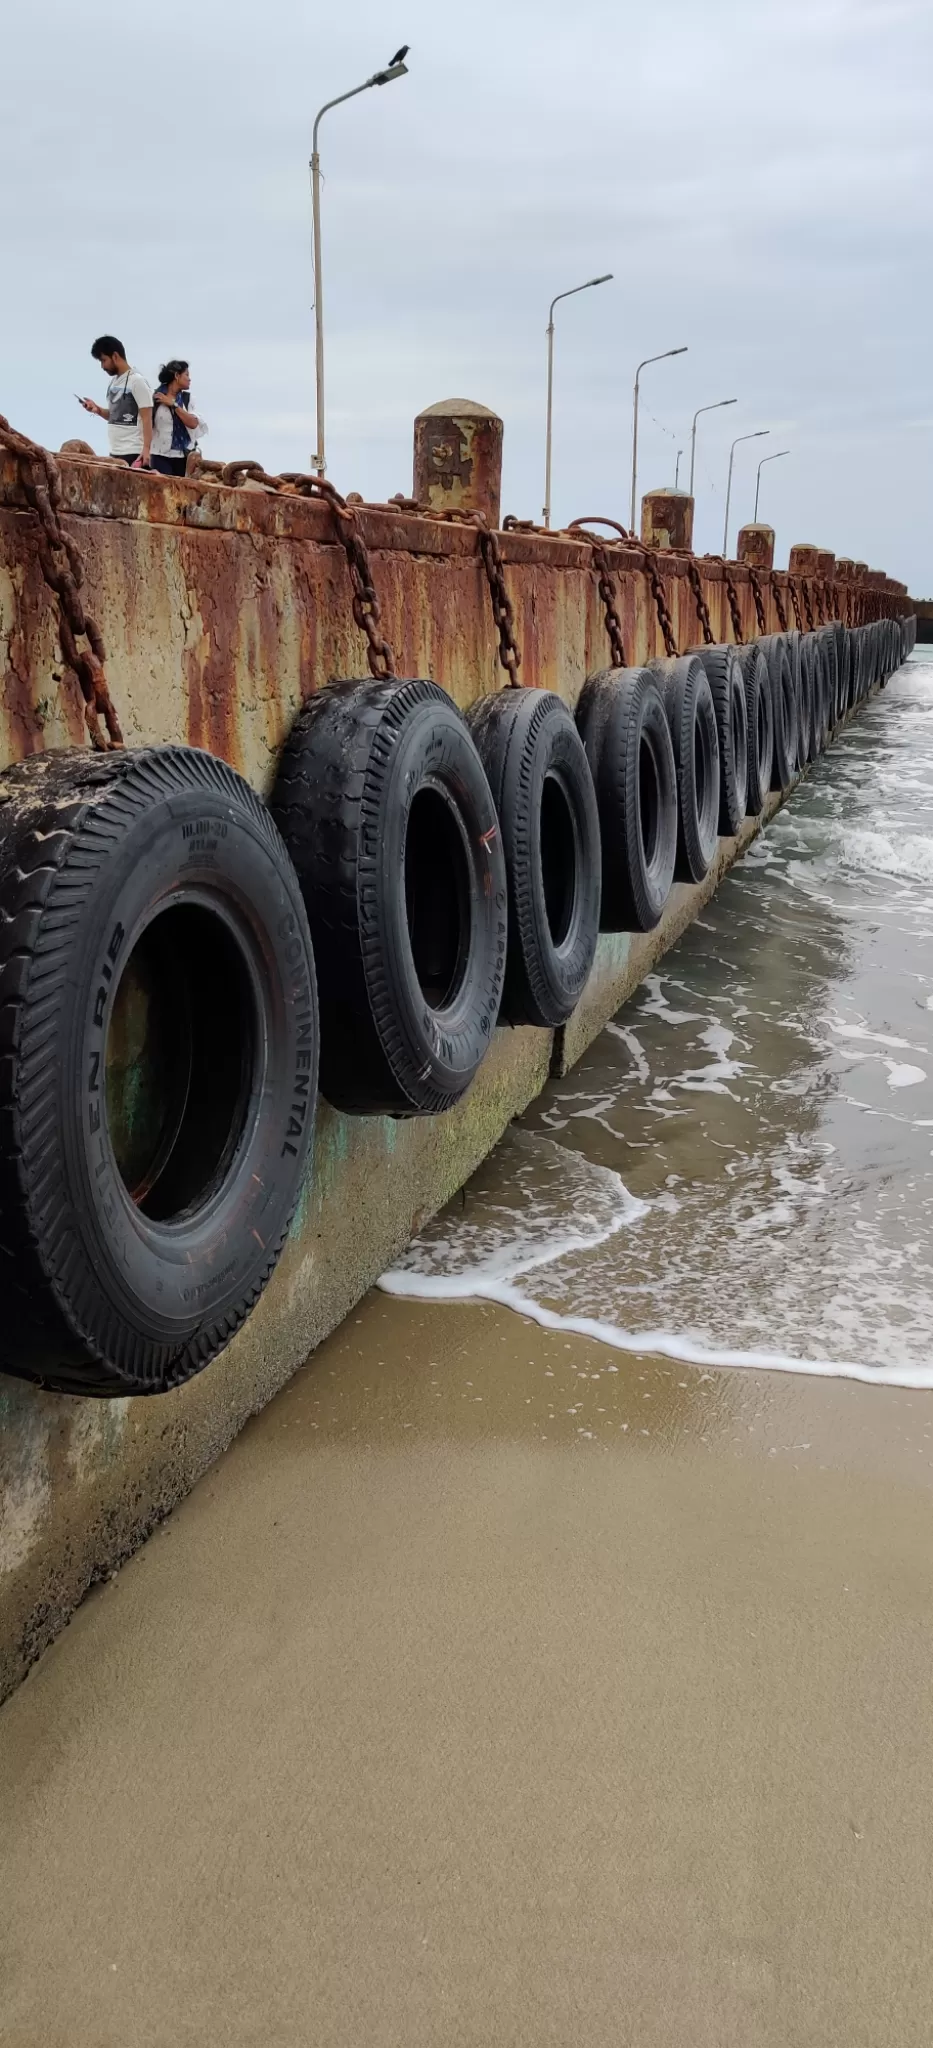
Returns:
point(127, 394)
point(162, 430)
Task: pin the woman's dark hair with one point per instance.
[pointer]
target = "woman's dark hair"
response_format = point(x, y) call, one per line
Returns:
point(107, 345)
point(172, 369)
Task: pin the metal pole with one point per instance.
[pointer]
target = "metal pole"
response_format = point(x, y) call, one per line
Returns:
point(318, 458)
point(590, 282)
point(764, 459)
point(662, 358)
point(395, 70)
point(758, 435)
point(550, 415)
point(677, 470)
point(725, 531)
point(693, 431)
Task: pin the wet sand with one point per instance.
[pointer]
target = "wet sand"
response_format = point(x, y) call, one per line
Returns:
point(469, 1701)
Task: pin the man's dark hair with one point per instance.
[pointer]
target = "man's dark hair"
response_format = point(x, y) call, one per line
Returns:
point(107, 345)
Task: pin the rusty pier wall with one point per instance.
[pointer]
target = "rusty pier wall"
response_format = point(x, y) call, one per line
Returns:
point(222, 609)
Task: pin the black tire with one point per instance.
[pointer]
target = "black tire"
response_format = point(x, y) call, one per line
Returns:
point(384, 807)
point(760, 723)
point(829, 655)
point(813, 691)
point(623, 725)
point(159, 1038)
point(691, 716)
point(784, 709)
point(844, 659)
point(803, 686)
point(728, 692)
point(546, 804)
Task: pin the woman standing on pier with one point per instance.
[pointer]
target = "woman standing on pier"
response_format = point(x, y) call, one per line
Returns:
point(175, 428)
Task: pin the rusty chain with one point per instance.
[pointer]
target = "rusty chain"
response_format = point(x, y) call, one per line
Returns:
point(63, 570)
point(795, 600)
point(606, 584)
point(502, 611)
point(607, 592)
point(779, 605)
point(820, 607)
point(808, 608)
point(649, 562)
point(758, 595)
point(733, 596)
point(696, 586)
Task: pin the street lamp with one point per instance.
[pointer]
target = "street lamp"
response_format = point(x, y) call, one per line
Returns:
point(677, 470)
point(764, 459)
point(397, 69)
point(758, 435)
point(720, 402)
point(662, 358)
point(550, 380)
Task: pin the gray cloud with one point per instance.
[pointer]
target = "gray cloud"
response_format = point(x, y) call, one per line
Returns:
point(757, 179)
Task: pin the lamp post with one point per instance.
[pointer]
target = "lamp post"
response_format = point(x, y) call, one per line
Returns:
point(588, 286)
point(764, 459)
point(662, 358)
point(677, 470)
point(758, 435)
point(716, 407)
point(397, 69)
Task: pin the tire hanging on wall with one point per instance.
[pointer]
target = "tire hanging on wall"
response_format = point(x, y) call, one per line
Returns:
point(728, 693)
point(623, 725)
point(546, 804)
point(812, 684)
point(783, 709)
point(691, 716)
point(158, 1064)
point(760, 724)
point(385, 809)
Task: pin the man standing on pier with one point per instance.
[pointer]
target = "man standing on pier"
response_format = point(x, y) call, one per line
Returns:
point(128, 411)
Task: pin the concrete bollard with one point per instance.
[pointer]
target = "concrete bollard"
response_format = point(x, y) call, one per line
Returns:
point(756, 546)
point(827, 566)
point(458, 458)
point(845, 570)
point(861, 571)
point(804, 560)
point(667, 519)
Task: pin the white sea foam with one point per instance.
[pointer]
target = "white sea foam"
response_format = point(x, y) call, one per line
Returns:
point(648, 1343)
point(875, 853)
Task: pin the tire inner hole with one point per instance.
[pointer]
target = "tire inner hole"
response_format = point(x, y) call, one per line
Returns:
point(180, 1062)
point(558, 858)
point(649, 799)
point(437, 896)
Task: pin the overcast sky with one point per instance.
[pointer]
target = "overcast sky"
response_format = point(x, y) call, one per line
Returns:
point(757, 177)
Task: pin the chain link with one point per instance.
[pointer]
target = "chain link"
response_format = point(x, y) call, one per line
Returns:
point(808, 608)
point(779, 605)
point(795, 599)
point(696, 586)
point(649, 562)
point(607, 591)
point(733, 596)
point(758, 595)
point(502, 611)
point(63, 570)
point(821, 611)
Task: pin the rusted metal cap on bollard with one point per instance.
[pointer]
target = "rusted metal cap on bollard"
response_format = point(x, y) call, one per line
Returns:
point(827, 565)
point(756, 546)
point(804, 560)
point(861, 571)
point(458, 458)
point(667, 519)
point(77, 448)
point(845, 570)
